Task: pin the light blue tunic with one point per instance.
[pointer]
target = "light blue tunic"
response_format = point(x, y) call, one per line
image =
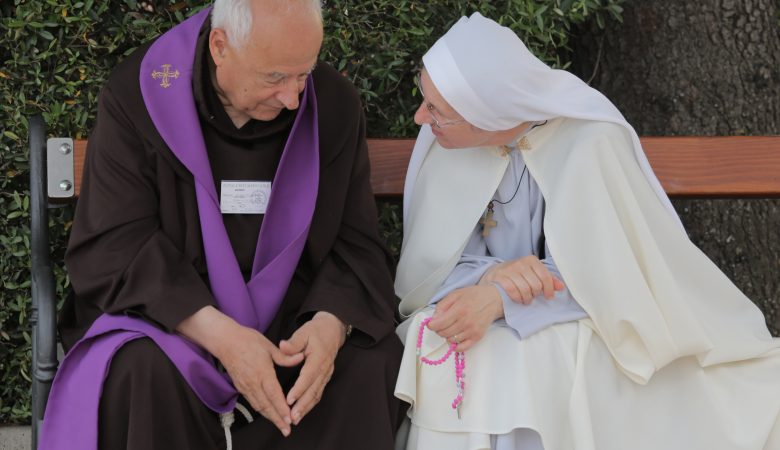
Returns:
point(518, 233)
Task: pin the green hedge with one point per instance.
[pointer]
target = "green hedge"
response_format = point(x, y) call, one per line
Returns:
point(56, 54)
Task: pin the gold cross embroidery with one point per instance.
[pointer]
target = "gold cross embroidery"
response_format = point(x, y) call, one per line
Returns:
point(166, 74)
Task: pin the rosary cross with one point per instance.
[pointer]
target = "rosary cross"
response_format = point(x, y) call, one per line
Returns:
point(487, 221)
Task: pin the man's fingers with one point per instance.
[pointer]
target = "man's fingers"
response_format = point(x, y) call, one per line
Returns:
point(286, 355)
point(305, 379)
point(275, 396)
point(261, 402)
point(266, 410)
point(296, 343)
point(558, 284)
point(309, 399)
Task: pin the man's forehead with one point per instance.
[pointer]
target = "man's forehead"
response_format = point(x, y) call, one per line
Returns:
point(269, 57)
point(287, 73)
point(289, 45)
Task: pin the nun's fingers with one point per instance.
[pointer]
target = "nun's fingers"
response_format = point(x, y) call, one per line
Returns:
point(534, 282)
point(444, 319)
point(547, 278)
point(515, 287)
point(465, 345)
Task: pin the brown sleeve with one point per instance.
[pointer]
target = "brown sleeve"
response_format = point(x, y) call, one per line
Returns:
point(354, 281)
point(118, 258)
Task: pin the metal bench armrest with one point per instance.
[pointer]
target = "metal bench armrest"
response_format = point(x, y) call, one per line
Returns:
point(44, 301)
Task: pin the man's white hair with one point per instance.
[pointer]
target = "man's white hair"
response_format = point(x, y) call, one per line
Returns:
point(235, 16)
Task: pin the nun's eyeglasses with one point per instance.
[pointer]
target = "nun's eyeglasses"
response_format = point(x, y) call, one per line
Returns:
point(432, 109)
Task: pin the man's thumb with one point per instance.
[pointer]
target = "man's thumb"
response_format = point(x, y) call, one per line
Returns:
point(284, 357)
point(296, 344)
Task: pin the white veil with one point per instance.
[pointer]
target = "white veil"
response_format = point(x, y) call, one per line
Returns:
point(489, 76)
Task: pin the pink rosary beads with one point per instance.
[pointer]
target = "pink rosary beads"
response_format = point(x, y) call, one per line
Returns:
point(460, 364)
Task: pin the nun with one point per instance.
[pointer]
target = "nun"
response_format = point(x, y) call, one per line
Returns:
point(552, 299)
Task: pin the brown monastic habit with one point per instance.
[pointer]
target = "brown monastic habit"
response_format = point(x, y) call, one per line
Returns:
point(136, 248)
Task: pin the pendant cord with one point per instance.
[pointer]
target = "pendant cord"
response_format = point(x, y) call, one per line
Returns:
point(525, 168)
point(517, 189)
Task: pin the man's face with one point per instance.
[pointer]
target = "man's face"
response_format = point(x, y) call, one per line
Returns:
point(267, 74)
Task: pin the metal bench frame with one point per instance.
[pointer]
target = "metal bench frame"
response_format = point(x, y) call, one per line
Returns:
point(44, 302)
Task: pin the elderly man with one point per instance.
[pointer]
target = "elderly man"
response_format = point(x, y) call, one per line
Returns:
point(225, 254)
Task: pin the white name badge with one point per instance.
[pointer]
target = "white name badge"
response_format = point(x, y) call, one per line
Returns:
point(244, 197)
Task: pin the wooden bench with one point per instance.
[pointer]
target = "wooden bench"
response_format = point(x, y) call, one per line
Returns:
point(703, 167)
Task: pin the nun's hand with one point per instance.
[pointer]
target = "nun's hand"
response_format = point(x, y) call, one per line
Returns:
point(523, 279)
point(465, 314)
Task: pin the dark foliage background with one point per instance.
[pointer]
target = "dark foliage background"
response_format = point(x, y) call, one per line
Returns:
point(56, 54)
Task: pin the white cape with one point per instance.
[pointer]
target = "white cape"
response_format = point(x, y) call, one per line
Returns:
point(673, 355)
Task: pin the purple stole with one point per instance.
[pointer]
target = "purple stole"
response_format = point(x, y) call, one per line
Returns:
point(166, 84)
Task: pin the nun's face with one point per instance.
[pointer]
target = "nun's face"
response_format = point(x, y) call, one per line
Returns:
point(450, 128)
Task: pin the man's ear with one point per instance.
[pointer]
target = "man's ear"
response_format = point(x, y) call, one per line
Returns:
point(218, 45)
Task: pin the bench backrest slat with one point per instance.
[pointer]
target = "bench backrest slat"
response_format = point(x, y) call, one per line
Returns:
point(79, 154)
point(733, 166)
point(689, 166)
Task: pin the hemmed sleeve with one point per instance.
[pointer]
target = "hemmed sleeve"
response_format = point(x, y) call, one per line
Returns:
point(467, 272)
point(541, 312)
point(118, 258)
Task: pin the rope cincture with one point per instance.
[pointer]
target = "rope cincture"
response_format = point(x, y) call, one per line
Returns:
point(227, 420)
